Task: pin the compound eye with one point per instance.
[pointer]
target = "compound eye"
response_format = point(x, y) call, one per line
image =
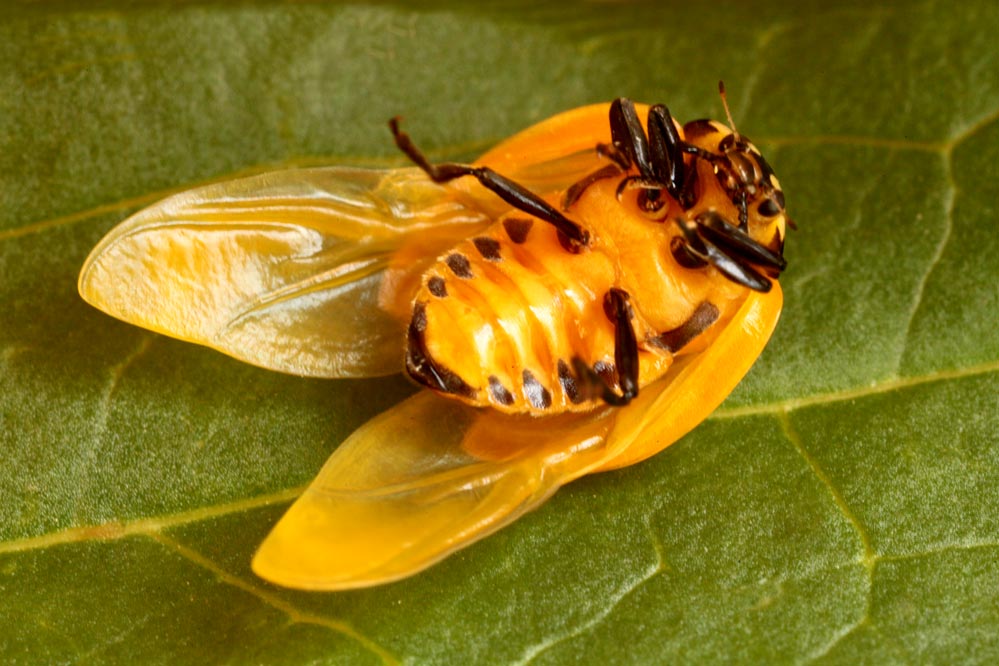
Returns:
point(768, 208)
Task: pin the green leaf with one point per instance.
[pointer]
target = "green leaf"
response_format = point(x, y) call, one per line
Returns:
point(842, 507)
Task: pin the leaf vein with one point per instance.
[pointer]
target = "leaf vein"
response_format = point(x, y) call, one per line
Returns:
point(146, 526)
point(108, 642)
point(839, 636)
point(935, 258)
point(867, 552)
point(855, 393)
point(973, 129)
point(273, 601)
point(867, 558)
point(86, 454)
point(119, 529)
point(938, 549)
point(532, 652)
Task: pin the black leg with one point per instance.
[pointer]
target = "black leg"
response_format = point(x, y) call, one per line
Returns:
point(697, 151)
point(608, 151)
point(736, 242)
point(625, 355)
point(664, 147)
point(737, 270)
point(629, 137)
point(625, 343)
point(743, 205)
point(514, 194)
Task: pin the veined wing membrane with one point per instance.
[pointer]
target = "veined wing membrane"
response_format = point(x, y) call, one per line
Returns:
point(294, 270)
point(310, 271)
point(432, 475)
point(404, 492)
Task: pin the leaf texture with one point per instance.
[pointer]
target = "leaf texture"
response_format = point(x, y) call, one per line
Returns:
point(841, 507)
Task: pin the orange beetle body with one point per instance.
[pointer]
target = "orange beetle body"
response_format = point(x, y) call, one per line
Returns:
point(499, 317)
point(536, 331)
point(506, 310)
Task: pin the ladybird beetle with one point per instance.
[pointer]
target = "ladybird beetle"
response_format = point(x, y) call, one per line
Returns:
point(576, 300)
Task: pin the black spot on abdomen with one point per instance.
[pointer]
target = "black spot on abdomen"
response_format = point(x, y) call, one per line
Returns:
point(489, 248)
point(607, 372)
point(498, 392)
point(437, 287)
point(458, 263)
point(517, 228)
point(569, 385)
point(536, 394)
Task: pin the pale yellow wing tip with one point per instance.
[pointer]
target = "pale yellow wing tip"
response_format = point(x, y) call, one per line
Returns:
point(279, 561)
point(329, 543)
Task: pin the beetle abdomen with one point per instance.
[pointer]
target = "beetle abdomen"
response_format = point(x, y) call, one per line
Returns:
point(499, 318)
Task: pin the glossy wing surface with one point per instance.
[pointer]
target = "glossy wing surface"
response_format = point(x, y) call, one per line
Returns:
point(310, 271)
point(432, 475)
point(303, 271)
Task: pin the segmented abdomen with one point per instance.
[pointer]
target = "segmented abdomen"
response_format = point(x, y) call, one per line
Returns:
point(498, 320)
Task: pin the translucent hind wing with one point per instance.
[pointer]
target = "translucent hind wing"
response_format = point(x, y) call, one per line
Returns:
point(432, 475)
point(403, 492)
point(302, 271)
point(310, 271)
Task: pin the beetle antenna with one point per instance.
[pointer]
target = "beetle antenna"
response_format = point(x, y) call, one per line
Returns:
point(724, 98)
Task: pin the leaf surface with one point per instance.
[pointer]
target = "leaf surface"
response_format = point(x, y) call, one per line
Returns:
point(841, 507)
